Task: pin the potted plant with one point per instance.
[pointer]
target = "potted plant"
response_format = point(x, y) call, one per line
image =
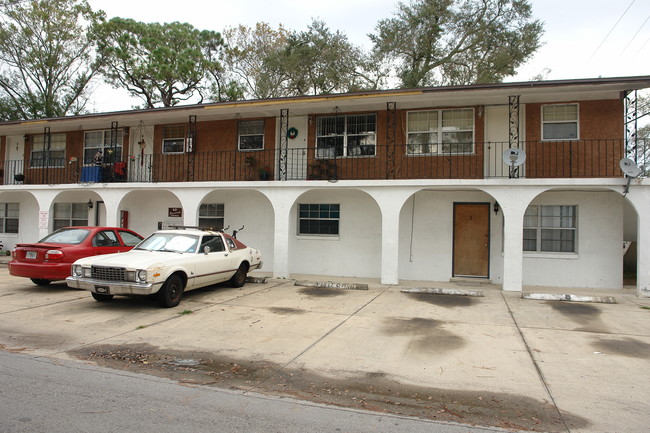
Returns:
point(264, 172)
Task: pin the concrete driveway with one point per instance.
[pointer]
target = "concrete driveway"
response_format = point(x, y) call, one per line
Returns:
point(496, 360)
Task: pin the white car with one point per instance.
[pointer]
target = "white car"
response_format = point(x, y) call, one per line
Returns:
point(166, 264)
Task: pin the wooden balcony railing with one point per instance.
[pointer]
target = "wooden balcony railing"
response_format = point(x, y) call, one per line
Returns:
point(555, 159)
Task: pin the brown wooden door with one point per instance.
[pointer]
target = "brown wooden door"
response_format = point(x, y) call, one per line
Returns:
point(471, 239)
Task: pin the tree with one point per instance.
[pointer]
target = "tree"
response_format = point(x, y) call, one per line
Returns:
point(159, 63)
point(46, 57)
point(454, 42)
point(245, 58)
point(318, 61)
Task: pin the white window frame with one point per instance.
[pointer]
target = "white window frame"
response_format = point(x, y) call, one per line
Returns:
point(438, 129)
point(243, 132)
point(174, 139)
point(213, 212)
point(105, 146)
point(69, 214)
point(540, 228)
point(57, 146)
point(314, 212)
point(545, 122)
point(349, 149)
point(9, 211)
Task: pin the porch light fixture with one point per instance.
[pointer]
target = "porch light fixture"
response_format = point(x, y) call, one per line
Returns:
point(90, 204)
point(496, 207)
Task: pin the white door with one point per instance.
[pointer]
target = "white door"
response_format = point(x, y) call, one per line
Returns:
point(297, 148)
point(497, 136)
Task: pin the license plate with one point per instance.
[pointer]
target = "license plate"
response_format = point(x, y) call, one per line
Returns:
point(30, 255)
point(102, 289)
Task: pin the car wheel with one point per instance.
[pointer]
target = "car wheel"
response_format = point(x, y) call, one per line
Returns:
point(239, 278)
point(101, 297)
point(171, 292)
point(40, 281)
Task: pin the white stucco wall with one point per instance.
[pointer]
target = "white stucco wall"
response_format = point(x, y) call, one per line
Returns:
point(598, 262)
point(356, 252)
point(426, 234)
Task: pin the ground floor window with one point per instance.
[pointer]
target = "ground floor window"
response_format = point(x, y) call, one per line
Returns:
point(550, 229)
point(211, 216)
point(9, 217)
point(319, 219)
point(70, 214)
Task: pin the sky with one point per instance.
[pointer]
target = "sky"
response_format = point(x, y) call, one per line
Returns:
point(582, 38)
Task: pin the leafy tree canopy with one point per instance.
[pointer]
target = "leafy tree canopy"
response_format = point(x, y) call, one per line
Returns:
point(46, 58)
point(159, 63)
point(455, 42)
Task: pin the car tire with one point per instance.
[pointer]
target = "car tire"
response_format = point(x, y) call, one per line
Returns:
point(171, 292)
point(101, 297)
point(239, 278)
point(40, 281)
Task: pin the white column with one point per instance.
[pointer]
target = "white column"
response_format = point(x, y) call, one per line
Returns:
point(390, 202)
point(390, 244)
point(639, 195)
point(513, 243)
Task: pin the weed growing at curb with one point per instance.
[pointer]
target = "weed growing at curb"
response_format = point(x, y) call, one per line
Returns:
point(185, 312)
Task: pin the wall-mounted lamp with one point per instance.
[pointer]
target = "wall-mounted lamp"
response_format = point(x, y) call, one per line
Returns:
point(90, 204)
point(479, 110)
point(25, 137)
point(496, 208)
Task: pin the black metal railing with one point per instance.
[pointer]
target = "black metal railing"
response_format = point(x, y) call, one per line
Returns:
point(544, 159)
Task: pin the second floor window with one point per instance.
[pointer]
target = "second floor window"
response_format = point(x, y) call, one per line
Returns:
point(560, 122)
point(440, 132)
point(251, 135)
point(173, 139)
point(95, 141)
point(346, 135)
point(44, 155)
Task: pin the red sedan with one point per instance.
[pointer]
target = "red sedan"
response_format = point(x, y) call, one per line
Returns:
point(50, 258)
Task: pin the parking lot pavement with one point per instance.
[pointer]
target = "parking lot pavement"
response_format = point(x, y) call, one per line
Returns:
point(496, 360)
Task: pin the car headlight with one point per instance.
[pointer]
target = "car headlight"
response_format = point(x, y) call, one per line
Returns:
point(141, 275)
point(87, 272)
point(76, 270)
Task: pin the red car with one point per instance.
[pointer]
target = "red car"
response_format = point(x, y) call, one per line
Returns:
point(50, 258)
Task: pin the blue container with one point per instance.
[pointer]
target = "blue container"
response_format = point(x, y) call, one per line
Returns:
point(91, 174)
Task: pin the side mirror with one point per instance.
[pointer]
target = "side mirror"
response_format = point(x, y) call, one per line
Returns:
point(206, 249)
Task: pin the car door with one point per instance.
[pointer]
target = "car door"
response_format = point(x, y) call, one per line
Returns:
point(216, 265)
point(106, 242)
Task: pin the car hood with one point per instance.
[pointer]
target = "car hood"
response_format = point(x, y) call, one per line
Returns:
point(133, 259)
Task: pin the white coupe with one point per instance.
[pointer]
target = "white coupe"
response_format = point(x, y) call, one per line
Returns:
point(167, 263)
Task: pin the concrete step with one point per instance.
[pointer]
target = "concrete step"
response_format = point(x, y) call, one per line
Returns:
point(467, 281)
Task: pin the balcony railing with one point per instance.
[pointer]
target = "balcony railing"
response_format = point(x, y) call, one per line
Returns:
point(555, 159)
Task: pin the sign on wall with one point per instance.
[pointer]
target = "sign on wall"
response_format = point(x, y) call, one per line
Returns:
point(43, 219)
point(175, 212)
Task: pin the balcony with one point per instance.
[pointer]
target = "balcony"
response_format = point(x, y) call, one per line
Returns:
point(556, 159)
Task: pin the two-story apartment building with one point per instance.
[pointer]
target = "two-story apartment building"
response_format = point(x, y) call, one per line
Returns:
point(394, 185)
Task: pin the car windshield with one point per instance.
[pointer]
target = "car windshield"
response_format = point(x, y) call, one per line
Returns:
point(171, 242)
point(66, 236)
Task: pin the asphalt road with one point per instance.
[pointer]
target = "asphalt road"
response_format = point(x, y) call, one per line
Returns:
point(41, 394)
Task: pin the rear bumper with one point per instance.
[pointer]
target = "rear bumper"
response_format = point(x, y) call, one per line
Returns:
point(113, 287)
point(45, 271)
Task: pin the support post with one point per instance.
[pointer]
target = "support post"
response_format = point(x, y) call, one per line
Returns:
point(513, 135)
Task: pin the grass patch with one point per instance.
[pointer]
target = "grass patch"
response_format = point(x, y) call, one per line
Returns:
point(141, 327)
point(185, 312)
point(645, 308)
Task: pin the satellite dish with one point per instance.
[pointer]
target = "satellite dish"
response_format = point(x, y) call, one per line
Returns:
point(630, 168)
point(514, 157)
